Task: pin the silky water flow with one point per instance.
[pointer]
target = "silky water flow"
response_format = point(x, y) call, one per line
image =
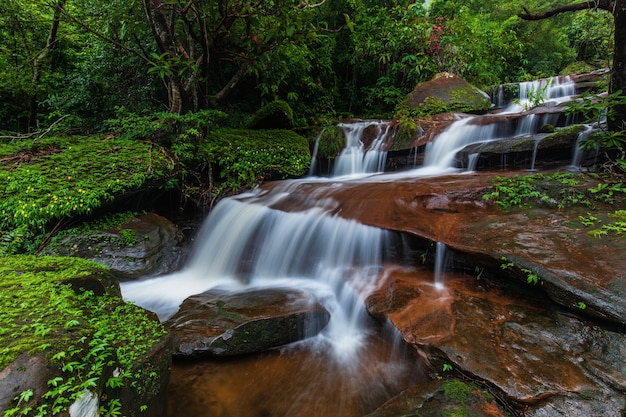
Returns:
point(354, 364)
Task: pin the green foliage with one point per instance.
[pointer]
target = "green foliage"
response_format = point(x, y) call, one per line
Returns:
point(531, 277)
point(598, 109)
point(245, 157)
point(51, 179)
point(83, 335)
point(275, 115)
point(559, 190)
point(615, 224)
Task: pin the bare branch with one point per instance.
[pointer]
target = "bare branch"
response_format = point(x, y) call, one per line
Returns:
point(40, 134)
point(587, 5)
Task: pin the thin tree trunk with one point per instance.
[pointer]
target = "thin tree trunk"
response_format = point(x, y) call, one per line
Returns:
point(37, 62)
point(618, 71)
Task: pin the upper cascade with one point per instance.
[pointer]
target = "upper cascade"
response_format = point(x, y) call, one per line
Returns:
point(556, 89)
point(361, 156)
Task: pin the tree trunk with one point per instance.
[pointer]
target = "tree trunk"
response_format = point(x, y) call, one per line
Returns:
point(38, 60)
point(617, 122)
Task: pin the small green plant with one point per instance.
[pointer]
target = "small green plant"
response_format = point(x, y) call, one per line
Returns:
point(531, 277)
point(582, 305)
point(506, 264)
point(447, 367)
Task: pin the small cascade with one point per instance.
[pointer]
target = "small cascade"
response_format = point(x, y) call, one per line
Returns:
point(440, 258)
point(577, 154)
point(314, 154)
point(472, 161)
point(540, 91)
point(534, 156)
point(355, 158)
point(441, 153)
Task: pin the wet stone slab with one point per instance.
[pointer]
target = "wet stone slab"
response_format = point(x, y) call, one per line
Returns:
point(544, 360)
point(223, 323)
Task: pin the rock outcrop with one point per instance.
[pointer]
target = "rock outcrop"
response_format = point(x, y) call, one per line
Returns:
point(224, 323)
point(447, 92)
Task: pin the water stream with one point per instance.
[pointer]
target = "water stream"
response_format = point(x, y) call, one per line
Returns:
point(254, 241)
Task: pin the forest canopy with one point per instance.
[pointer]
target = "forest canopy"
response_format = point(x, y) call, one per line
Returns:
point(84, 61)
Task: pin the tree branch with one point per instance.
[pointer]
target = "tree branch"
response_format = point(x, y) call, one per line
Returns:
point(586, 5)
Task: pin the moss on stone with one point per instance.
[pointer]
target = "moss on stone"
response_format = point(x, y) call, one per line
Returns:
point(48, 308)
point(50, 179)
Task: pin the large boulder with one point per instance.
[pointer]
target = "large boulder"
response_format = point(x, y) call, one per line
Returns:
point(447, 92)
point(222, 323)
point(147, 244)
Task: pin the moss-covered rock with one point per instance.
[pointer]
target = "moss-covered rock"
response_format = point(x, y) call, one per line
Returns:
point(132, 245)
point(442, 398)
point(445, 93)
point(44, 181)
point(66, 316)
point(275, 115)
point(244, 158)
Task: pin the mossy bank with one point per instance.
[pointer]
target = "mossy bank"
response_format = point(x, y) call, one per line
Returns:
point(67, 315)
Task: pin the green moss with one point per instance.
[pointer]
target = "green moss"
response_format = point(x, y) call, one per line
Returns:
point(246, 157)
point(83, 335)
point(275, 115)
point(48, 180)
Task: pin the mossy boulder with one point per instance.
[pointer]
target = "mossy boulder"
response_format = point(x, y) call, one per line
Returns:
point(66, 336)
point(132, 245)
point(446, 92)
point(245, 157)
point(223, 323)
point(442, 398)
point(275, 115)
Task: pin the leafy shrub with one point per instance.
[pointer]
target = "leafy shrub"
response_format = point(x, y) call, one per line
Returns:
point(243, 158)
point(275, 115)
point(83, 335)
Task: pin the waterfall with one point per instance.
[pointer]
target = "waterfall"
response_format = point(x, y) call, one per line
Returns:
point(355, 158)
point(440, 257)
point(543, 90)
point(441, 152)
point(246, 244)
point(577, 153)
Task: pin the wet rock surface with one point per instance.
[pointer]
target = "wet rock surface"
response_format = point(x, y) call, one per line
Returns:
point(146, 245)
point(543, 360)
point(555, 347)
point(224, 323)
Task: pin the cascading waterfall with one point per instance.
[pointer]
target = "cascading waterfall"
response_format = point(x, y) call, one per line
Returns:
point(441, 153)
point(355, 158)
point(247, 243)
point(244, 244)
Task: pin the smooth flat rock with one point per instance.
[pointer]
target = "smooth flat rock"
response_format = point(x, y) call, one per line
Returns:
point(542, 359)
point(222, 323)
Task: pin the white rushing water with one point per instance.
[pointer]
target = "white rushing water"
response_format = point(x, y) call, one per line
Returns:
point(245, 244)
point(355, 158)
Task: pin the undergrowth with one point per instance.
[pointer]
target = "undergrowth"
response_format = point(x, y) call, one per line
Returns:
point(83, 336)
point(561, 190)
point(46, 181)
